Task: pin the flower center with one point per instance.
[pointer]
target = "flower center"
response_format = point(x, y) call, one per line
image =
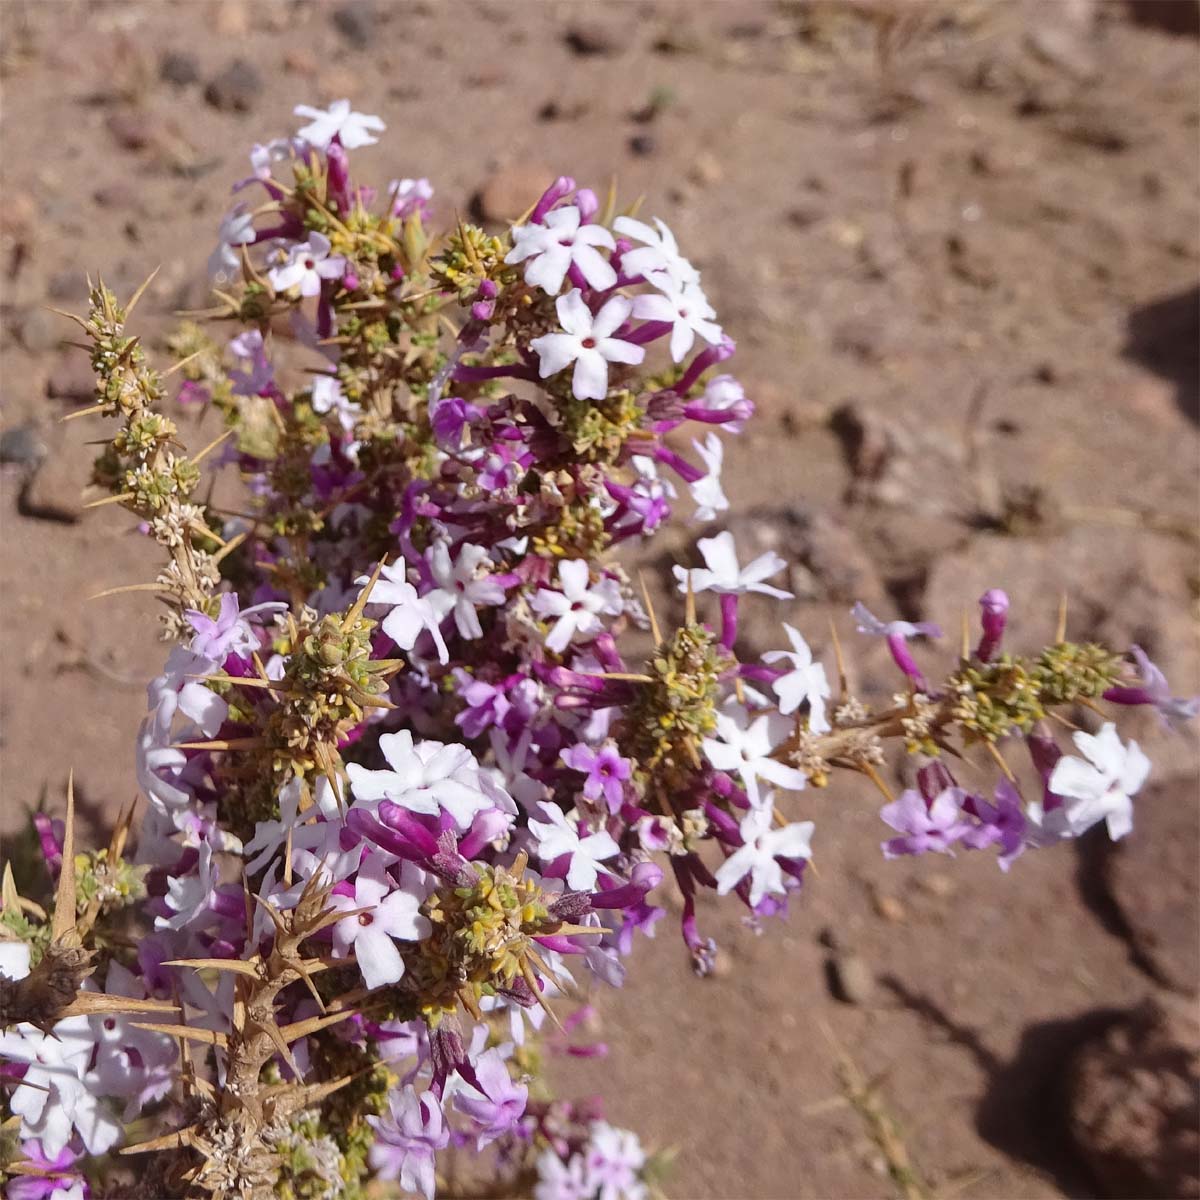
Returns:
point(588, 343)
point(365, 919)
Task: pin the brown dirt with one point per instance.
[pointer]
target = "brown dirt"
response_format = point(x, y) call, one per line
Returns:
point(972, 229)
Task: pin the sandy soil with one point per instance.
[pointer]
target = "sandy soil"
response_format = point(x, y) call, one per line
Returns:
point(958, 248)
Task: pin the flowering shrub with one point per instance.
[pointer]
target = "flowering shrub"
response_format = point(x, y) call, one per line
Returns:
point(404, 789)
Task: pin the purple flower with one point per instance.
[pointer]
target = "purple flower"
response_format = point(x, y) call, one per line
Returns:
point(1154, 689)
point(993, 615)
point(897, 634)
point(494, 1103)
point(407, 1139)
point(926, 826)
point(606, 772)
point(1002, 823)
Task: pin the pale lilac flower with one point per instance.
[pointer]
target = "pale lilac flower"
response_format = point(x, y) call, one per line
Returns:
point(425, 777)
point(562, 242)
point(683, 306)
point(762, 846)
point(587, 342)
point(230, 633)
point(1100, 786)
point(1154, 689)
point(722, 574)
point(558, 1180)
point(190, 895)
point(743, 747)
point(722, 394)
point(307, 265)
point(249, 348)
point(605, 769)
point(264, 156)
point(411, 614)
point(559, 835)
point(934, 825)
point(577, 608)
point(897, 634)
point(707, 493)
point(497, 1104)
point(58, 1099)
point(805, 681)
point(352, 129)
point(408, 1138)
point(612, 1159)
point(237, 229)
point(393, 915)
point(465, 581)
point(409, 197)
point(659, 252)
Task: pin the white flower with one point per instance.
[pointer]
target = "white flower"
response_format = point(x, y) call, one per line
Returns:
point(306, 265)
point(352, 129)
point(411, 613)
point(264, 157)
point(577, 608)
point(868, 623)
point(1101, 787)
point(559, 835)
point(763, 845)
point(463, 584)
point(188, 895)
point(393, 913)
point(721, 393)
point(682, 305)
point(328, 397)
point(425, 777)
point(14, 959)
point(562, 242)
point(237, 229)
point(659, 252)
point(588, 343)
point(707, 492)
point(57, 1099)
point(744, 747)
point(722, 574)
point(409, 196)
point(805, 681)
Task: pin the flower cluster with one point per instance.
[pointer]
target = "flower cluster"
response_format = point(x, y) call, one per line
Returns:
point(405, 792)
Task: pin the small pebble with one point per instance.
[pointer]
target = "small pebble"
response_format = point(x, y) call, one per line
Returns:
point(235, 89)
point(851, 980)
point(889, 908)
point(179, 68)
point(22, 446)
point(642, 144)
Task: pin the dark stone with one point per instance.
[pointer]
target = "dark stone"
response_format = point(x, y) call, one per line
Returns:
point(592, 38)
point(643, 145)
point(236, 89)
point(355, 22)
point(179, 68)
point(22, 446)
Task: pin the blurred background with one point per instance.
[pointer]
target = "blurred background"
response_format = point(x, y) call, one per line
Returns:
point(957, 245)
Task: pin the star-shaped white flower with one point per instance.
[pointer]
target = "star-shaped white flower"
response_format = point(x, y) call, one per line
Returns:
point(685, 307)
point(352, 129)
point(306, 265)
point(722, 574)
point(1100, 788)
point(465, 582)
point(424, 777)
point(758, 857)
point(743, 747)
point(393, 915)
point(577, 608)
point(237, 229)
point(559, 835)
point(587, 342)
point(410, 613)
point(707, 492)
point(805, 681)
point(659, 251)
point(551, 249)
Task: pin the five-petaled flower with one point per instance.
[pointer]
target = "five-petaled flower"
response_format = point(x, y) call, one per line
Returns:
point(587, 342)
point(306, 266)
point(577, 608)
point(744, 747)
point(805, 681)
point(558, 836)
point(722, 574)
point(758, 856)
point(684, 307)
point(550, 250)
point(1099, 786)
point(352, 129)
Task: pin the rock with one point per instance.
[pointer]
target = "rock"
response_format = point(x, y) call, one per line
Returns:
point(706, 170)
point(1134, 1102)
point(41, 331)
point(850, 979)
point(235, 89)
point(511, 191)
point(301, 61)
point(889, 908)
point(53, 491)
point(356, 22)
point(22, 446)
point(594, 38)
point(179, 68)
point(1171, 16)
point(132, 130)
point(1151, 877)
point(71, 379)
point(642, 144)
